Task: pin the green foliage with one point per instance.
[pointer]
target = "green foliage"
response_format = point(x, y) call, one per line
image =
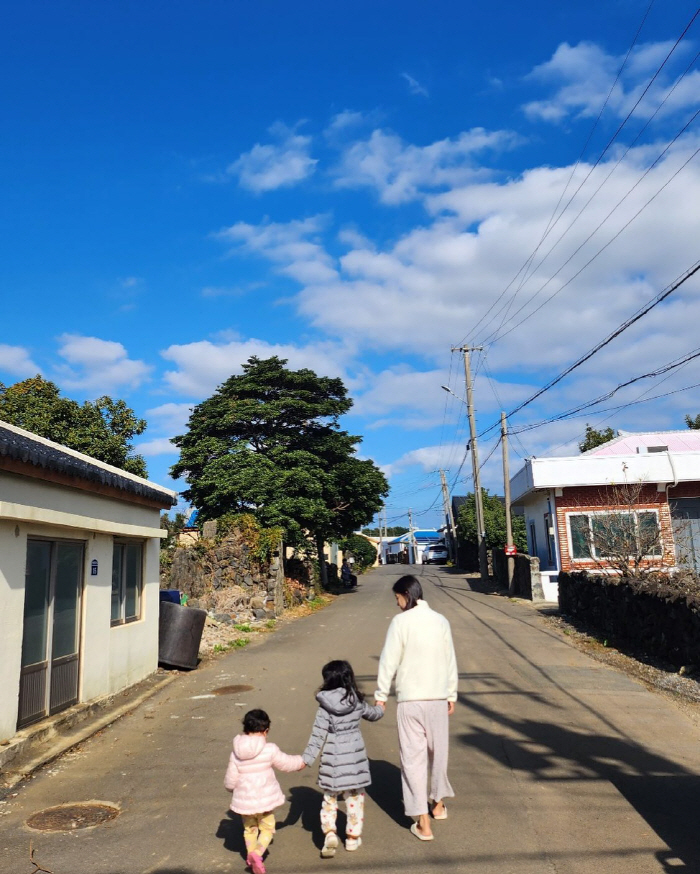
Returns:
point(262, 542)
point(595, 438)
point(494, 523)
point(243, 627)
point(393, 531)
point(693, 423)
point(268, 443)
point(102, 429)
point(364, 552)
point(231, 644)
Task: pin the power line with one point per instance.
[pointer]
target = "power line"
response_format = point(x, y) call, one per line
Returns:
point(494, 337)
point(620, 159)
point(610, 142)
point(616, 333)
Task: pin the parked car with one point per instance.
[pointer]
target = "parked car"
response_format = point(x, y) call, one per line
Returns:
point(436, 554)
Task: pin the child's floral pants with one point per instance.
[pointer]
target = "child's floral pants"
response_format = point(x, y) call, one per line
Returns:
point(355, 805)
point(258, 831)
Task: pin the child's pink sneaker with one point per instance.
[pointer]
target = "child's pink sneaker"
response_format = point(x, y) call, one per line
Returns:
point(255, 863)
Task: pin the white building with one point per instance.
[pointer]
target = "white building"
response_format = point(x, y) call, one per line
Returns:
point(566, 498)
point(79, 578)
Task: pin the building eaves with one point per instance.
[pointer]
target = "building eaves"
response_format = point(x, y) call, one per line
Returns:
point(27, 448)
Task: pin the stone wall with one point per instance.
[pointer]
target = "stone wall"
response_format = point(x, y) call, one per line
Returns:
point(526, 574)
point(223, 577)
point(662, 619)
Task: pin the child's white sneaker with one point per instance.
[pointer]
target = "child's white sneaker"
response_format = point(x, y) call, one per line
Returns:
point(353, 844)
point(330, 845)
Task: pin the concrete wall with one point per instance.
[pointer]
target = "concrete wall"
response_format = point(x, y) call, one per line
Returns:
point(111, 658)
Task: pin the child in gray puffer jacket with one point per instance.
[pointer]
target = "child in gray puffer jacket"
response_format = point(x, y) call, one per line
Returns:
point(344, 769)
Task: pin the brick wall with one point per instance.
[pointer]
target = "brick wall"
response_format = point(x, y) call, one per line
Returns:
point(589, 498)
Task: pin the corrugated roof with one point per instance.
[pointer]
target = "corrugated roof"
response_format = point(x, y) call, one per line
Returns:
point(28, 448)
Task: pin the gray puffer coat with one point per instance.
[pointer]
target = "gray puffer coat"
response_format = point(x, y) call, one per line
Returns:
point(344, 764)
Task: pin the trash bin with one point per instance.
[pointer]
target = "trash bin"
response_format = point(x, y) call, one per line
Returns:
point(170, 595)
point(179, 634)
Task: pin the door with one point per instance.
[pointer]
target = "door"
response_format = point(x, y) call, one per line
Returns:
point(685, 518)
point(51, 632)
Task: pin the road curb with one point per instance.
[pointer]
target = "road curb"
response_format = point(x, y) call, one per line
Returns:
point(38, 748)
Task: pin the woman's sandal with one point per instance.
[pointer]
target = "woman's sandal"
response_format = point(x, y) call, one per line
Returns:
point(419, 834)
point(442, 815)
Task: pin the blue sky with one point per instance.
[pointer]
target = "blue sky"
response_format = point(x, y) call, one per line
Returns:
point(353, 187)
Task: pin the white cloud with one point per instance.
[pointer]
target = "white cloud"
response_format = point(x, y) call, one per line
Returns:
point(401, 172)
point(271, 166)
point(582, 76)
point(415, 87)
point(157, 446)
point(171, 417)
point(203, 365)
point(17, 361)
point(430, 288)
point(296, 247)
point(100, 366)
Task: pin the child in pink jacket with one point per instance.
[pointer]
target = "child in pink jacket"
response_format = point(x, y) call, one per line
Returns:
point(251, 778)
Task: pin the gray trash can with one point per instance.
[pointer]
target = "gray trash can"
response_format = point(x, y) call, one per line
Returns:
point(179, 634)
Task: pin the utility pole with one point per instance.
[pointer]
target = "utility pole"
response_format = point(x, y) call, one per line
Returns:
point(510, 561)
point(449, 517)
point(476, 473)
point(411, 538)
point(381, 537)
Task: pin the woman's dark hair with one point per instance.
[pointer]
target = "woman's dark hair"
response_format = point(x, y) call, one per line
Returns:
point(255, 722)
point(338, 674)
point(410, 588)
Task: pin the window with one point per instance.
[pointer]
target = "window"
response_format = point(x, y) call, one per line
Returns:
point(614, 534)
point(127, 581)
point(549, 534)
point(533, 539)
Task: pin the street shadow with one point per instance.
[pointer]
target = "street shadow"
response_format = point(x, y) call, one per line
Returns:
point(664, 793)
point(385, 791)
point(231, 831)
point(305, 805)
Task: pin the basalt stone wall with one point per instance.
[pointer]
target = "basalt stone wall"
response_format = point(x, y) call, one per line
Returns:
point(526, 574)
point(663, 620)
point(222, 576)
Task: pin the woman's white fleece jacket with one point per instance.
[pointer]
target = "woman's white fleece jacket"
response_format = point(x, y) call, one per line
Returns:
point(419, 652)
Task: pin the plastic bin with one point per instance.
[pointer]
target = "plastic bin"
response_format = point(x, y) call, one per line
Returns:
point(179, 635)
point(172, 595)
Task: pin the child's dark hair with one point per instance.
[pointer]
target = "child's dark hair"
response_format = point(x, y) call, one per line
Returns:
point(255, 722)
point(410, 588)
point(338, 674)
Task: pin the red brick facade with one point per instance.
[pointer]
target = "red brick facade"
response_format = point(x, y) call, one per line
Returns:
point(590, 498)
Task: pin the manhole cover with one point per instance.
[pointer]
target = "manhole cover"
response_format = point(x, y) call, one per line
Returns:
point(66, 817)
point(231, 690)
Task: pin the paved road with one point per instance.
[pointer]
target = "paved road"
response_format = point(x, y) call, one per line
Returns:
point(560, 764)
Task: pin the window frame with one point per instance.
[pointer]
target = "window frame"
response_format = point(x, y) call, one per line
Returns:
point(594, 555)
point(119, 545)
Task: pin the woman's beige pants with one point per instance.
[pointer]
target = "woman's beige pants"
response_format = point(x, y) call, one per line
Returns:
point(423, 743)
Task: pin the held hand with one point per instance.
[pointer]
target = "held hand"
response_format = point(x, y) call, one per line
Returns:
point(450, 708)
point(381, 704)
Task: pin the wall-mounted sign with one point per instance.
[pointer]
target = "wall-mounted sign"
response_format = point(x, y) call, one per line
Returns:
point(93, 567)
point(510, 550)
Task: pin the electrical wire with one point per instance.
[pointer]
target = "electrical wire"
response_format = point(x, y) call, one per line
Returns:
point(610, 142)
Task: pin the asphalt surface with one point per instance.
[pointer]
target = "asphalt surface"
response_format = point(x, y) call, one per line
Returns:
point(559, 763)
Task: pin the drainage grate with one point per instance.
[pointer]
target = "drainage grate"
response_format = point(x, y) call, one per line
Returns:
point(67, 817)
point(232, 690)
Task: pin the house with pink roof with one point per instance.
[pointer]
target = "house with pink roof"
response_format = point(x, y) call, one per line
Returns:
point(568, 501)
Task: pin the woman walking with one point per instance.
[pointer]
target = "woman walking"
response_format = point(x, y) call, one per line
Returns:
point(419, 652)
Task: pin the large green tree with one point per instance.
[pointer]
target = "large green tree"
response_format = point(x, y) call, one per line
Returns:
point(494, 523)
point(102, 429)
point(595, 438)
point(693, 422)
point(268, 442)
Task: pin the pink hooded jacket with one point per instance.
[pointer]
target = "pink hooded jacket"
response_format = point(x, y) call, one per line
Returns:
point(250, 775)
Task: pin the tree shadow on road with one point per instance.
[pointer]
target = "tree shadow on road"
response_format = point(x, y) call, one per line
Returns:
point(385, 791)
point(305, 805)
point(663, 792)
